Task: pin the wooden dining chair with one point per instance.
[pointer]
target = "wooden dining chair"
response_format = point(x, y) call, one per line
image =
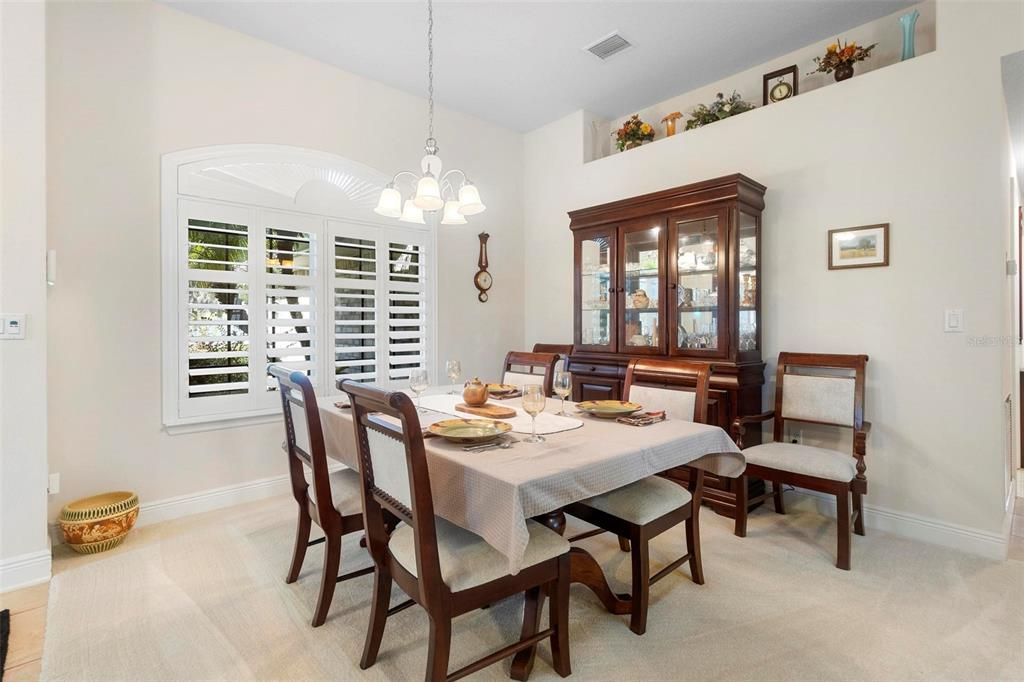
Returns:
point(647, 508)
point(447, 570)
point(333, 502)
point(562, 350)
point(820, 389)
point(522, 368)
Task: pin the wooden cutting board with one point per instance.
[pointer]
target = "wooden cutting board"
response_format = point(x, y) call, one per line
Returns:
point(487, 410)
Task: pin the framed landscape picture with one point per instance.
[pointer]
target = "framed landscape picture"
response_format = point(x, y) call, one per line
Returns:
point(866, 246)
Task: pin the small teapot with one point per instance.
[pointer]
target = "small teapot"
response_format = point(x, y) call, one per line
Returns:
point(475, 393)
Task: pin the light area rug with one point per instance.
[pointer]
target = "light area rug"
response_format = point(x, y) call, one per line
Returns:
point(204, 599)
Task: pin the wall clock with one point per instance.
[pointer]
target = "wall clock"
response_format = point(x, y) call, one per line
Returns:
point(483, 279)
point(786, 84)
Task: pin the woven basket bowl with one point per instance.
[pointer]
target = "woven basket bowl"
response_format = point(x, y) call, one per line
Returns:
point(98, 523)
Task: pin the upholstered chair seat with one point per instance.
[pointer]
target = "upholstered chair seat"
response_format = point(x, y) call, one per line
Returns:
point(642, 502)
point(467, 560)
point(804, 459)
point(345, 493)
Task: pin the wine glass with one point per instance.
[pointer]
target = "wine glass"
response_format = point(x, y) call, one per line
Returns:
point(533, 403)
point(418, 383)
point(454, 370)
point(562, 384)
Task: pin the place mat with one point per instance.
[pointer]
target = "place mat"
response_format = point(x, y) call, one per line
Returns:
point(547, 422)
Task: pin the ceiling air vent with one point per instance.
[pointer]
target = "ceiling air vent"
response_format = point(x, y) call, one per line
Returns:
point(611, 44)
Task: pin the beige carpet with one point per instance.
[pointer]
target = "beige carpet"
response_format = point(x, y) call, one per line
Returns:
point(204, 598)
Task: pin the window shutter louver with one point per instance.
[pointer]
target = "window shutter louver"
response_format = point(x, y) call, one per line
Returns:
point(290, 300)
point(216, 285)
point(253, 286)
point(406, 303)
point(354, 286)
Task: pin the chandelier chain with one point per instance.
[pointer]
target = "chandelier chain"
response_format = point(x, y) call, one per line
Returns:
point(430, 71)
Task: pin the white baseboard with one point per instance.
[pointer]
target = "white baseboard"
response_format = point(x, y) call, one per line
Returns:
point(209, 500)
point(972, 540)
point(24, 570)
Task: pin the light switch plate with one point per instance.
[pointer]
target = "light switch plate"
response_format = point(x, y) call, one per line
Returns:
point(13, 327)
point(954, 320)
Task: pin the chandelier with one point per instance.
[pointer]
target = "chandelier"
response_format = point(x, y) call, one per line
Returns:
point(450, 191)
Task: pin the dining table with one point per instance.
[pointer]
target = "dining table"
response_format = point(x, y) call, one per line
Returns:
point(494, 492)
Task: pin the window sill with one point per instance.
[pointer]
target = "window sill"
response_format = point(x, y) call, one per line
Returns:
point(206, 424)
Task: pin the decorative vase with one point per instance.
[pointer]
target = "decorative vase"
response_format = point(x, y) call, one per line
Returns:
point(908, 22)
point(843, 71)
point(633, 144)
point(98, 523)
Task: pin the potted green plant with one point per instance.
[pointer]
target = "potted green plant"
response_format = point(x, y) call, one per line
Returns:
point(722, 107)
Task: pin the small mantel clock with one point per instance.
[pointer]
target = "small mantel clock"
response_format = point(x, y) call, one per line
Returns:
point(483, 279)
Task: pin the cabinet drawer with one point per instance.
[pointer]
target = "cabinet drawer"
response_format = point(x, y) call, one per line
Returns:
point(595, 388)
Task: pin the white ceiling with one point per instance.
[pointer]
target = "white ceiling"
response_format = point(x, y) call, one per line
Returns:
point(521, 64)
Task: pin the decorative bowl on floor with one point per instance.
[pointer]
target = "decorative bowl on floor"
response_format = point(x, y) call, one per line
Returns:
point(98, 523)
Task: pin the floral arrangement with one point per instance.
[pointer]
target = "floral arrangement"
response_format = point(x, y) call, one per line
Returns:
point(633, 133)
point(837, 55)
point(722, 107)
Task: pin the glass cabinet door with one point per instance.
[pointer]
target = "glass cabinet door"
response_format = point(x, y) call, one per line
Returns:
point(595, 290)
point(697, 257)
point(643, 323)
point(748, 277)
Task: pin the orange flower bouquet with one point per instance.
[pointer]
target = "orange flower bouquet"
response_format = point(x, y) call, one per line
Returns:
point(633, 133)
point(841, 58)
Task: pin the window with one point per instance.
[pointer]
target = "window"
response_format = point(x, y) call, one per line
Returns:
point(246, 285)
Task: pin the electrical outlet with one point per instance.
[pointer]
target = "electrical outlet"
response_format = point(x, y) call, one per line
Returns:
point(13, 327)
point(54, 486)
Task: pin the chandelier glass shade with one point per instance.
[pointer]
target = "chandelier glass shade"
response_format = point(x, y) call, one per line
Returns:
point(431, 190)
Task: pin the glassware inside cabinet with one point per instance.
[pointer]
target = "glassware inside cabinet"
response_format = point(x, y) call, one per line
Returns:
point(642, 283)
point(696, 261)
point(747, 282)
point(595, 285)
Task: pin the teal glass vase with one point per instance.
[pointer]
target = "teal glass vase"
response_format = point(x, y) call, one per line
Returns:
point(908, 21)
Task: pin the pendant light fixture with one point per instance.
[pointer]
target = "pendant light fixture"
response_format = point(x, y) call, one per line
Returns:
point(434, 190)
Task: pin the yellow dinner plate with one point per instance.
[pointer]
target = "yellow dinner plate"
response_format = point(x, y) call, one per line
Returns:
point(469, 430)
point(609, 409)
point(501, 389)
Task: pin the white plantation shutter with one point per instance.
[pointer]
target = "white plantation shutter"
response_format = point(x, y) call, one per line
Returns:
point(354, 286)
point(407, 314)
point(215, 358)
point(255, 286)
point(381, 328)
point(291, 293)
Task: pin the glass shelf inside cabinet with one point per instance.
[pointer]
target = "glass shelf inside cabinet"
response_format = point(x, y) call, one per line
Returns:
point(747, 282)
point(642, 279)
point(696, 256)
point(595, 282)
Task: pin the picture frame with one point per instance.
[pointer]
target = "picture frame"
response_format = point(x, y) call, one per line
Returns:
point(865, 246)
point(789, 75)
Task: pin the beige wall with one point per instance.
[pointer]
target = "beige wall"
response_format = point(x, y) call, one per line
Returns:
point(131, 81)
point(895, 145)
point(23, 542)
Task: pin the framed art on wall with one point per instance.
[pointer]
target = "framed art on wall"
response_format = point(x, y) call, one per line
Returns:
point(866, 246)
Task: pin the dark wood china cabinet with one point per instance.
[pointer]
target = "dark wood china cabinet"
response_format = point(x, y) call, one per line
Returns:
point(673, 274)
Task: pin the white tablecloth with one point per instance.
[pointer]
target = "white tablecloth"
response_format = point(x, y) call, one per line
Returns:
point(493, 493)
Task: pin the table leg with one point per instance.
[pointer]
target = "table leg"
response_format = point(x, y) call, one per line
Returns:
point(585, 570)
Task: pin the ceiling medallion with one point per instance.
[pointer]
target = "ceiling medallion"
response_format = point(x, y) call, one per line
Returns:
point(450, 192)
